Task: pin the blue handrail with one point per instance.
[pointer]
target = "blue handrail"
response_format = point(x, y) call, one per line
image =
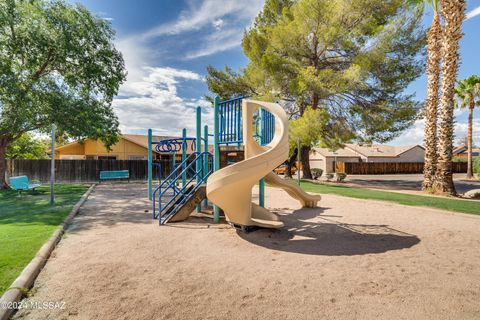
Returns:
point(170, 184)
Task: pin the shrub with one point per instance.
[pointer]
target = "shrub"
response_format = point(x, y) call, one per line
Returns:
point(476, 165)
point(329, 176)
point(459, 159)
point(316, 173)
point(341, 176)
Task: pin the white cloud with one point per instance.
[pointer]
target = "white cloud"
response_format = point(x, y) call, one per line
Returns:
point(202, 13)
point(150, 97)
point(475, 12)
point(219, 41)
point(461, 131)
point(153, 102)
point(214, 25)
point(415, 134)
point(218, 24)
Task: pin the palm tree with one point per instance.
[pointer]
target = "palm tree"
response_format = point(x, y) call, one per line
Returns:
point(468, 91)
point(434, 47)
point(453, 12)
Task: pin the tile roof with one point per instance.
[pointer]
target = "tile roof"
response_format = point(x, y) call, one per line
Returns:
point(337, 153)
point(354, 150)
point(380, 150)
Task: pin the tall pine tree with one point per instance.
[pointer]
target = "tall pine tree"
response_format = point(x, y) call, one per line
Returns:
point(352, 59)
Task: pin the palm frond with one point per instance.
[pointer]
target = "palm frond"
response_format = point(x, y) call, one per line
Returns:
point(466, 90)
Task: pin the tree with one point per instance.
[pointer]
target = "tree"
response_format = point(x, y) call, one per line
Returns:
point(434, 52)
point(352, 59)
point(27, 147)
point(307, 129)
point(468, 90)
point(453, 12)
point(58, 66)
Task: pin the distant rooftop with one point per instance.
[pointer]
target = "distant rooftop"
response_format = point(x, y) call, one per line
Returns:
point(374, 150)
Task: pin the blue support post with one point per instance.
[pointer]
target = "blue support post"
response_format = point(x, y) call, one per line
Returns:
point(174, 162)
point(205, 157)
point(184, 156)
point(198, 144)
point(216, 150)
point(150, 164)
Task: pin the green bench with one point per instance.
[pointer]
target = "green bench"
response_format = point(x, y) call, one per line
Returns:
point(22, 183)
point(114, 175)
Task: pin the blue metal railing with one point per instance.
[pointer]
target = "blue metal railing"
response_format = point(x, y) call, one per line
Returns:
point(267, 127)
point(230, 121)
point(171, 195)
point(230, 118)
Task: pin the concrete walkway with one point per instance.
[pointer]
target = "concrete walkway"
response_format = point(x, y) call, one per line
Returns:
point(347, 259)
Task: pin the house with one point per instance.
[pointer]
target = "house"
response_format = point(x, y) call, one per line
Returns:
point(325, 159)
point(462, 152)
point(128, 147)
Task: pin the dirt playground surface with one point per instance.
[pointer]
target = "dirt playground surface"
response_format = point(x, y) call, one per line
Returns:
point(348, 259)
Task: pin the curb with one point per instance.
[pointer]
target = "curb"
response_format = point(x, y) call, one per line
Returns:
point(12, 296)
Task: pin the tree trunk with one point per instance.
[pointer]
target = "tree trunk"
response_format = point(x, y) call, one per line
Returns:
point(305, 159)
point(5, 141)
point(470, 140)
point(290, 162)
point(315, 100)
point(431, 107)
point(454, 14)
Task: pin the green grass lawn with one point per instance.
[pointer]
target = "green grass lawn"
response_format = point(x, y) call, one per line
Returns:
point(27, 222)
point(457, 205)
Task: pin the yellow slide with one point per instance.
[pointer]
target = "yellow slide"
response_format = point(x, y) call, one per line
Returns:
point(231, 188)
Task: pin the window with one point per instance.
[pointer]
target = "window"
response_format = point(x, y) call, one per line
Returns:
point(107, 157)
point(136, 158)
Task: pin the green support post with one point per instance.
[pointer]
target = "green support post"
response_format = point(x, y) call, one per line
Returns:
point(184, 157)
point(261, 183)
point(198, 145)
point(216, 150)
point(150, 163)
point(205, 157)
point(261, 193)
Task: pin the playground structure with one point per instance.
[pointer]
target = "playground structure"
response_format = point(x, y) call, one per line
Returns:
point(259, 130)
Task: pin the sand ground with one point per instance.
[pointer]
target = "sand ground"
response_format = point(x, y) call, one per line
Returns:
point(348, 259)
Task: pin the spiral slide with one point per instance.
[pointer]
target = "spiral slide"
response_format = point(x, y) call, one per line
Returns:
point(231, 188)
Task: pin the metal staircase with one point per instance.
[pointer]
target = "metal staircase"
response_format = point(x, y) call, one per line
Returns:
point(179, 193)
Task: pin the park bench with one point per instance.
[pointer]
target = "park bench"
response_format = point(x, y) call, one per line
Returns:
point(22, 183)
point(114, 175)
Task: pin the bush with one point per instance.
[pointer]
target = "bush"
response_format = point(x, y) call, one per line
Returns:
point(329, 176)
point(459, 159)
point(316, 173)
point(341, 176)
point(476, 165)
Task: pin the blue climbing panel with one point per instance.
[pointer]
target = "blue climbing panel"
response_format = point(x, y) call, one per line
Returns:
point(230, 120)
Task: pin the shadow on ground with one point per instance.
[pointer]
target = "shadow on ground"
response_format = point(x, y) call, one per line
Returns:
point(328, 237)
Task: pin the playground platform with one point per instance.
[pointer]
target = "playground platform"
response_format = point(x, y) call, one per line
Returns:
point(347, 259)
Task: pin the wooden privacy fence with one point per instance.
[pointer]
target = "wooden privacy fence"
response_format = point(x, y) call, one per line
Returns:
point(84, 170)
point(390, 167)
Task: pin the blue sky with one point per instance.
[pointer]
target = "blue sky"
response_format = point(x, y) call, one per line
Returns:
point(168, 44)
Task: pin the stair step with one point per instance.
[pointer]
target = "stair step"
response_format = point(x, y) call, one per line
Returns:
point(189, 205)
